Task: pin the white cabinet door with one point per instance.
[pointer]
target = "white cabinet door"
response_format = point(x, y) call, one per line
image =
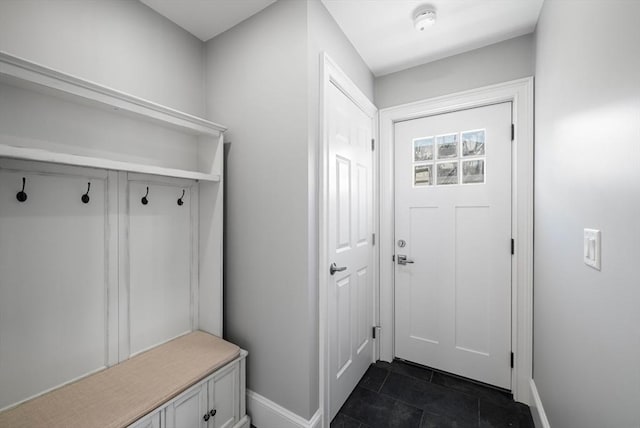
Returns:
point(151, 421)
point(189, 409)
point(224, 398)
point(215, 402)
point(210, 404)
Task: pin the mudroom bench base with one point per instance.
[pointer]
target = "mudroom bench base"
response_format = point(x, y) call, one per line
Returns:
point(194, 381)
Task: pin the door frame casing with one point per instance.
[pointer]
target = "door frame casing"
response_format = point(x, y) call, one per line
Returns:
point(520, 93)
point(332, 74)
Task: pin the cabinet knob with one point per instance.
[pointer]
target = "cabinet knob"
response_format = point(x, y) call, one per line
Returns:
point(213, 412)
point(206, 417)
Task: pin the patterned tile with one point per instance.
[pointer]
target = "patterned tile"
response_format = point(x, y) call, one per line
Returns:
point(402, 395)
point(373, 378)
point(429, 420)
point(469, 387)
point(411, 370)
point(343, 421)
point(514, 416)
point(379, 411)
point(433, 398)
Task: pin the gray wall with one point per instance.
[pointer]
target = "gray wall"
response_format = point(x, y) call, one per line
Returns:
point(500, 62)
point(257, 86)
point(120, 44)
point(262, 82)
point(587, 345)
point(326, 36)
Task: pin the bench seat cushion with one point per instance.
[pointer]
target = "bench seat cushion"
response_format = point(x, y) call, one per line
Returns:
point(119, 395)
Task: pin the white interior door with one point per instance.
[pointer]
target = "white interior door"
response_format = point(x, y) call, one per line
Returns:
point(453, 226)
point(350, 294)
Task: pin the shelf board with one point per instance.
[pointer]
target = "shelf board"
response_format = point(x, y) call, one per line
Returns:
point(40, 155)
point(20, 72)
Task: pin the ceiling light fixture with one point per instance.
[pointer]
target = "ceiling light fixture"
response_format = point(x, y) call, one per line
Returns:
point(424, 17)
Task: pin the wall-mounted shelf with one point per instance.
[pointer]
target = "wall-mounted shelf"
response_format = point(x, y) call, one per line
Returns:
point(114, 246)
point(30, 75)
point(64, 119)
point(39, 155)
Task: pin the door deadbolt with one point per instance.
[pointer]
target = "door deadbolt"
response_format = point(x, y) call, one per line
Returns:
point(402, 243)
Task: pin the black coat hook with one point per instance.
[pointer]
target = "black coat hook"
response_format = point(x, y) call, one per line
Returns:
point(21, 196)
point(144, 199)
point(85, 197)
point(180, 201)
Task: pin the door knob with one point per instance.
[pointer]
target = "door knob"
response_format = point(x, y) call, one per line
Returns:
point(333, 268)
point(403, 260)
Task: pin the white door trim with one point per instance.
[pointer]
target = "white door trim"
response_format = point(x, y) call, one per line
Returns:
point(520, 93)
point(332, 74)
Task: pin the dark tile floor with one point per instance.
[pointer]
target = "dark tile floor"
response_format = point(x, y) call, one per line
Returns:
point(404, 395)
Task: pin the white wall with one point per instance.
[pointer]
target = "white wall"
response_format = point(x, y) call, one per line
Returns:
point(587, 345)
point(263, 83)
point(120, 44)
point(500, 62)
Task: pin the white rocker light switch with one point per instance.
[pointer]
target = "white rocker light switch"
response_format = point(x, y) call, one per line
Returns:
point(592, 248)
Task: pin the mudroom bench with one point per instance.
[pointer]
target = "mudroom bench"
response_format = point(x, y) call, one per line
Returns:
point(196, 380)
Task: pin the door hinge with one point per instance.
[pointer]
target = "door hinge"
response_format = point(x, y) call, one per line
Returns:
point(513, 246)
point(373, 144)
point(373, 239)
point(512, 358)
point(513, 132)
point(374, 329)
point(393, 258)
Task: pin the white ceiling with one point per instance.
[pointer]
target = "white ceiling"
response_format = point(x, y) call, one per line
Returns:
point(382, 30)
point(207, 18)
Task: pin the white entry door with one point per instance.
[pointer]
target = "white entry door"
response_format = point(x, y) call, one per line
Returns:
point(350, 294)
point(453, 229)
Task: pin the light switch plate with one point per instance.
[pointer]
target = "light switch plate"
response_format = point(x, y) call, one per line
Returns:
point(592, 248)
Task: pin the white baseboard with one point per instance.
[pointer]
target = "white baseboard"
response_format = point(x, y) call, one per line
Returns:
point(537, 411)
point(265, 413)
point(245, 422)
